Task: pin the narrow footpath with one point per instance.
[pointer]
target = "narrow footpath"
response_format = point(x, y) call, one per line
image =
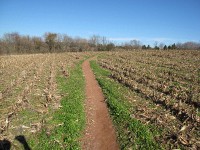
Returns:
point(99, 133)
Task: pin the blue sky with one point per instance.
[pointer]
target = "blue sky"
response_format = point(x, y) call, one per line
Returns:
point(165, 21)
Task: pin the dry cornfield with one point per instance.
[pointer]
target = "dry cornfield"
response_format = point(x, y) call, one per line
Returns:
point(167, 84)
point(28, 91)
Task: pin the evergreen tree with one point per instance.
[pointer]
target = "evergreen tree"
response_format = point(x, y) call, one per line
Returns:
point(165, 47)
point(144, 47)
point(156, 47)
point(173, 46)
point(148, 47)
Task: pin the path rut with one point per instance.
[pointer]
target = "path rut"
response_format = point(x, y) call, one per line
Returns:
point(99, 133)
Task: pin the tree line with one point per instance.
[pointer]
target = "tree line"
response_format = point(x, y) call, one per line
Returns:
point(14, 43)
point(178, 46)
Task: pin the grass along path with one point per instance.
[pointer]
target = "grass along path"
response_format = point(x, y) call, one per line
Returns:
point(131, 132)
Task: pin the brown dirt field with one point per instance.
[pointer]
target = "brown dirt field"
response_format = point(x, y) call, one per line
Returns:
point(99, 133)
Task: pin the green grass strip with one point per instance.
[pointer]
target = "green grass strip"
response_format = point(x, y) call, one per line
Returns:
point(132, 134)
point(71, 116)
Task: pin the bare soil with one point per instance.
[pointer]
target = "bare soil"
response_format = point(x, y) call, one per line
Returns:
point(99, 133)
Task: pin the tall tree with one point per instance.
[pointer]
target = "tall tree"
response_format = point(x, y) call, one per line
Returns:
point(144, 47)
point(165, 47)
point(173, 46)
point(136, 44)
point(148, 47)
point(95, 40)
point(169, 47)
point(38, 44)
point(161, 45)
point(50, 39)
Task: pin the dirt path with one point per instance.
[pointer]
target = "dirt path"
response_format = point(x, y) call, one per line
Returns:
point(99, 133)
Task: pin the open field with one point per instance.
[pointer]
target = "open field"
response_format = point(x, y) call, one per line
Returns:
point(31, 90)
point(166, 92)
point(153, 98)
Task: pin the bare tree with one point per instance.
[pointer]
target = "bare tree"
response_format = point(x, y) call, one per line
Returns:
point(104, 40)
point(188, 45)
point(14, 43)
point(155, 43)
point(95, 40)
point(38, 44)
point(161, 45)
point(135, 44)
point(50, 39)
point(67, 40)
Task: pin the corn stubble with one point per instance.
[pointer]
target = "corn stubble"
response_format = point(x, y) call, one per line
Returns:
point(29, 93)
point(167, 84)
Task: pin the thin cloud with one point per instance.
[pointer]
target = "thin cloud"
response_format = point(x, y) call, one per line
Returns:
point(150, 41)
point(161, 39)
point(123, 39)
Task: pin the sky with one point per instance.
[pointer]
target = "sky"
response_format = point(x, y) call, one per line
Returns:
point(164, 21)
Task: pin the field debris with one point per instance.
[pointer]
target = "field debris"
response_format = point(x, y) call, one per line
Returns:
point(29, 92)
point(167, 89)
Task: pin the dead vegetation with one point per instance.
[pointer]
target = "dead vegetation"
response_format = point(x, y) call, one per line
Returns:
point(167, 87)
point(28, 91)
